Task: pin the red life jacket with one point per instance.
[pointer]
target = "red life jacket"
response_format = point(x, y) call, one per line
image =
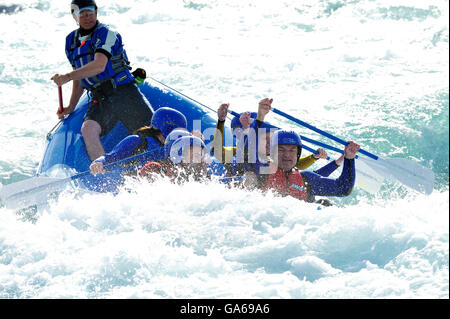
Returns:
point(152, 167)
point(286, 183)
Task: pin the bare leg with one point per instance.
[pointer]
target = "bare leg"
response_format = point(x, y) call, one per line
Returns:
point(91, 131)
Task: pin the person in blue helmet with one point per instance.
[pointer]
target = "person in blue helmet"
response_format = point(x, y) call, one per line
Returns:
point(281, 175)
point(171, 138)
point(100, 66)
point(186, 162)
point(223, 155)
point(146, 139)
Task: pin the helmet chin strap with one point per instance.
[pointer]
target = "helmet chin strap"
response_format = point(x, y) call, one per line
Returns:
point(74, 8)
point(299, 152)
point(77, 20)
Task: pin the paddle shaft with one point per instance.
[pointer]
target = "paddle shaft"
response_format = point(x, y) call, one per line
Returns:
point(315, 129)
point(77, 176)
point(307, 139)
point(60, 96)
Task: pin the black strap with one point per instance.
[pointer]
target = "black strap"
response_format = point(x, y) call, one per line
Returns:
point(143, 133)
point(142, 146)
point(309, 196)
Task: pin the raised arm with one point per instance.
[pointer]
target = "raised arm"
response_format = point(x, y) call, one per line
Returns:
point(218, 149)
point(122, 150)
point(343, 185)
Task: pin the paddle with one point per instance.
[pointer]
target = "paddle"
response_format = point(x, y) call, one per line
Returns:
point(315, 129)
point(402, 170)
point(15, 195)
point(60, 108)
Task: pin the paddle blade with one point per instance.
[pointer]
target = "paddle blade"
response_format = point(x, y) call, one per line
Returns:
point(404, 171)
point(367, 178)
point(29, 192)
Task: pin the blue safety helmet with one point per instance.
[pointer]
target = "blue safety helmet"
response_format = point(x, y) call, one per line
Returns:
point(285, 137)
point(172, 137)
point(178, 147)
point(167, 119)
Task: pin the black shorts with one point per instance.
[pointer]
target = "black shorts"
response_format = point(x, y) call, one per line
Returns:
point(127, 104)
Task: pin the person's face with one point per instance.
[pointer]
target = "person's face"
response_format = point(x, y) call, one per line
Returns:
point(287, 156)
point(86, 18)
point(193, 154)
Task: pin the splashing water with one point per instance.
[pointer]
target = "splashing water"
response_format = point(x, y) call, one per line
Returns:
point(375, 72)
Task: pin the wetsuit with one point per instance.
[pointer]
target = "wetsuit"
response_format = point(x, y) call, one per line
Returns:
point(115, 96)
point(313, 183)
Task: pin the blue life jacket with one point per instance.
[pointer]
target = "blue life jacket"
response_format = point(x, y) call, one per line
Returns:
point(80, 50)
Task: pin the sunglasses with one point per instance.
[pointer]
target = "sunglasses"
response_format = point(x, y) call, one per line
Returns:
point(84, 12)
